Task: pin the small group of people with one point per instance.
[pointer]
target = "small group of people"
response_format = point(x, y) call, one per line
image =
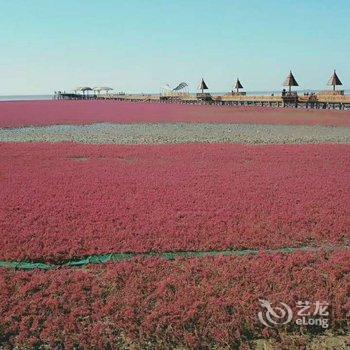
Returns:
point(289, 93)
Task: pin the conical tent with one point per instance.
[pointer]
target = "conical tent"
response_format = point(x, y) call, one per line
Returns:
point(238, 85)
point(290, 81)
point(202, 86)
point(334, 80)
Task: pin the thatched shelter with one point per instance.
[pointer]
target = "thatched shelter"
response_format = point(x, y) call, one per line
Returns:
point(290, 81)
point(334, 80)
point(238, 85)
point(203, 86)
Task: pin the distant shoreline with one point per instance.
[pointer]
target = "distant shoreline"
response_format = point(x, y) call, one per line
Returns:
point(26, 98)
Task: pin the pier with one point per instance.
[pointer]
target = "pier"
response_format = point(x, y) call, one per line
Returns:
point(315, 101)
point(328, 99)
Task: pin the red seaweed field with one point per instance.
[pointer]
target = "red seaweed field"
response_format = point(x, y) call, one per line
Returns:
point(61, 201)
point(155, 304)
point(24, 113)
point(259, 223)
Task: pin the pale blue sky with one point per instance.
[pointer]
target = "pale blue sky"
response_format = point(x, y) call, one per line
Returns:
point(138, 45)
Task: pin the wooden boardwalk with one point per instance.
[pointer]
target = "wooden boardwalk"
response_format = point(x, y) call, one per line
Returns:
point(322, 101)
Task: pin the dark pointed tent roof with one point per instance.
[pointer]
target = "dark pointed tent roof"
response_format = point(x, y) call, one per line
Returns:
point(238, 85)
point(203, 85)
point(334, 80)
point(290, 80)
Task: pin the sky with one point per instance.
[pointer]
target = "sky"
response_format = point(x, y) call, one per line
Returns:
point(139, 45)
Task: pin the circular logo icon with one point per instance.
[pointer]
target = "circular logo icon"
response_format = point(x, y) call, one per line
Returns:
point(274, 316)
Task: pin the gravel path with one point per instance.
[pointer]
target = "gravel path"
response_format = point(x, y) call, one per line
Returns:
point(105, 133)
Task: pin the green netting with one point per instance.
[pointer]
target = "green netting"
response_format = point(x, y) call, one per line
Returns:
point(116, 257)
point(22, 265)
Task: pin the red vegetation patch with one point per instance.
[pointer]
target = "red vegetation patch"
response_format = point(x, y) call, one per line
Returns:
point(15, 114)
point(157, 304)
point(169, 198)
